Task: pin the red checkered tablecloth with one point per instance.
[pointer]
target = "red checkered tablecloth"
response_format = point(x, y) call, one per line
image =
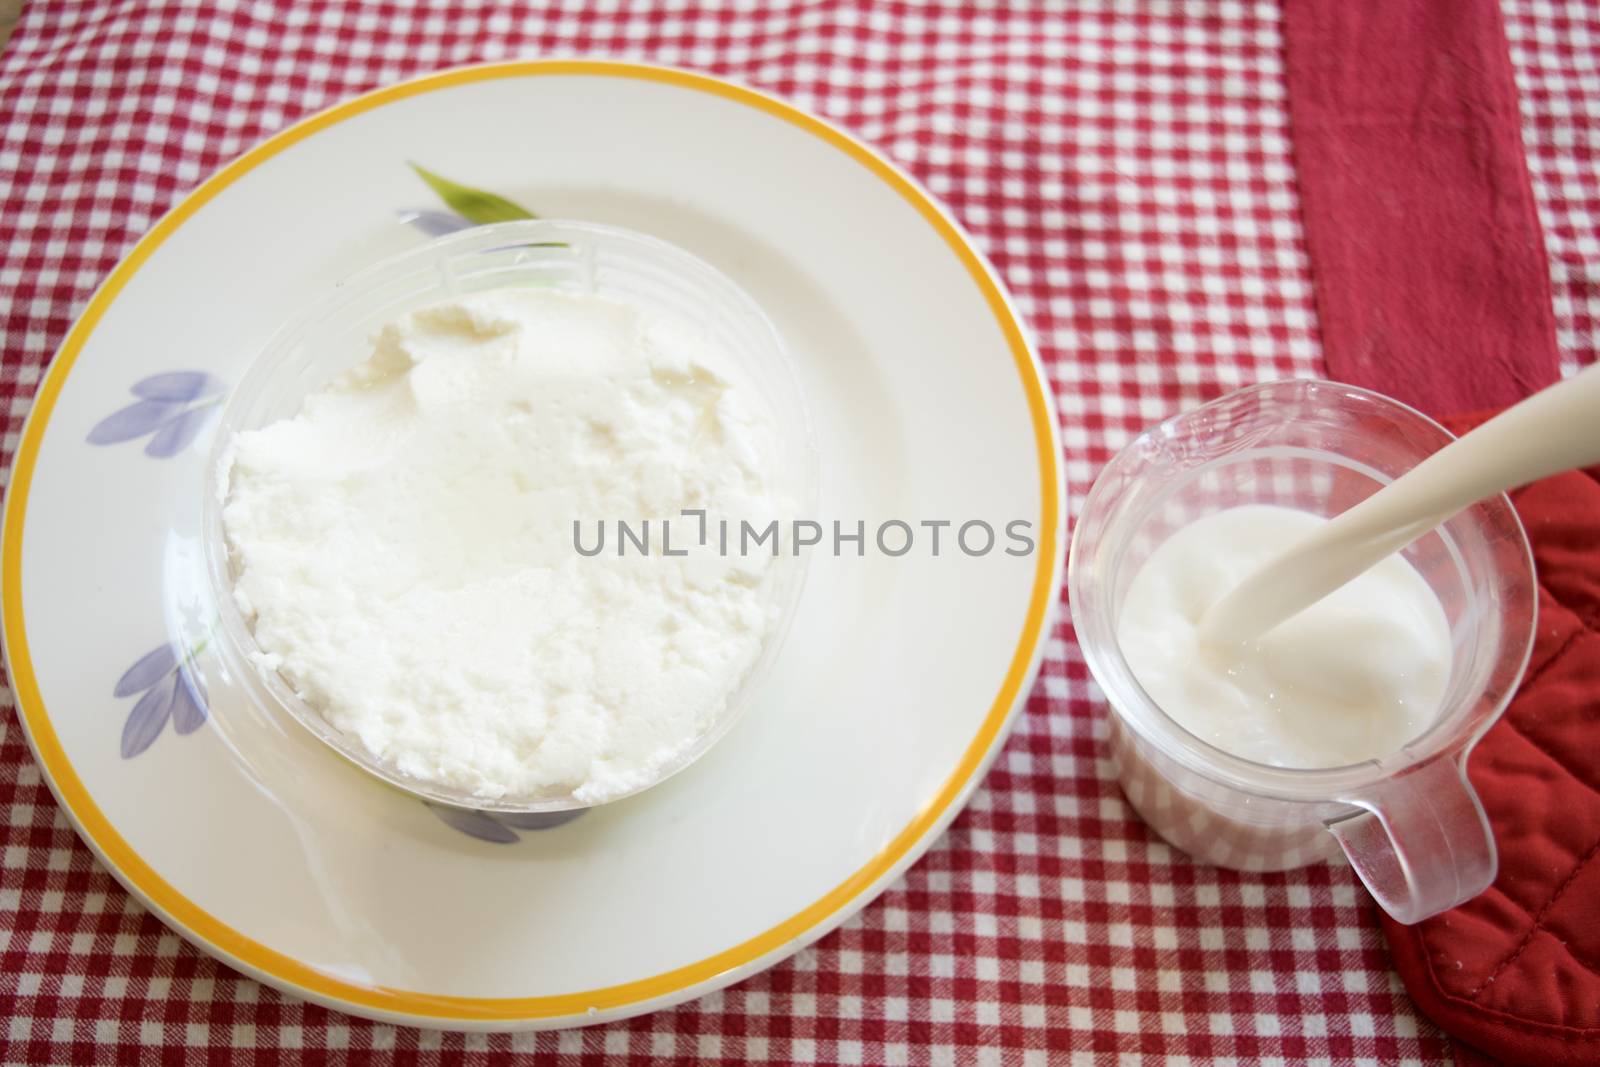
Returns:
point(1126, 164)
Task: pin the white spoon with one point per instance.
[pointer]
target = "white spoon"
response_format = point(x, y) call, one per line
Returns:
point(1552, 431)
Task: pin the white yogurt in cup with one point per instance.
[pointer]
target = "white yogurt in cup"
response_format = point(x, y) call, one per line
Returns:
point(1254, 774)
point(1353, 677)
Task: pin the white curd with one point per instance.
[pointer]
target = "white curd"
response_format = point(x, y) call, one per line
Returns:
point(403, 546)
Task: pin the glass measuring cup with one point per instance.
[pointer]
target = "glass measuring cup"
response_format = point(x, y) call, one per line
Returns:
point(1409, 822)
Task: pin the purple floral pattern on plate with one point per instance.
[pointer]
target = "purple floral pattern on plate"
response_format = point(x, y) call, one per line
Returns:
point(169, 690)
point(435, 223)
point(500, 828)
point(169, 408)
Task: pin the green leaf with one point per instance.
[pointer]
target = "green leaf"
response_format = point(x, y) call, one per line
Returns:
point(474, 205)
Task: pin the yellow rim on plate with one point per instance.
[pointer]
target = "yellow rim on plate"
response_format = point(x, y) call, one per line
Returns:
point(254, 956)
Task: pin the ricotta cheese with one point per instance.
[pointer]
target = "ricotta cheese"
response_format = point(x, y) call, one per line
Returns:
point(403, 548)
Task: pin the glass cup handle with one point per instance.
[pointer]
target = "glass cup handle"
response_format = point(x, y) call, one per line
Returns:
point(1422, 843)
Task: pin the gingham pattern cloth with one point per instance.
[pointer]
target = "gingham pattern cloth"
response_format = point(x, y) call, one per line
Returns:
point(1127, 166)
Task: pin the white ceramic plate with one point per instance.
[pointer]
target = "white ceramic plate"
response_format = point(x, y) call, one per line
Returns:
point(894, 691)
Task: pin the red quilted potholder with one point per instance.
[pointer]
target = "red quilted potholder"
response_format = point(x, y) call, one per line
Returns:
point(1516, 971)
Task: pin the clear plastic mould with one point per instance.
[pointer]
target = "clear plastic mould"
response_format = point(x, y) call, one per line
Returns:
point(577, 257)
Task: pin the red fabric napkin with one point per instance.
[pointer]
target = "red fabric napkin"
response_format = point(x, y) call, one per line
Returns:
point(1515, 972)
point(1427, 256)
point(1432, 286)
